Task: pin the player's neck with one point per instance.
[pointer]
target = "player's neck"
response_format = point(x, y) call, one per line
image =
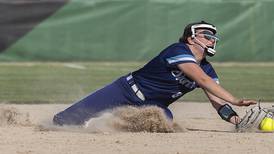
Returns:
point(198, 54)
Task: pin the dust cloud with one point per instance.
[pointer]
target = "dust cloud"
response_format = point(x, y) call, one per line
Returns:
point(122, 119)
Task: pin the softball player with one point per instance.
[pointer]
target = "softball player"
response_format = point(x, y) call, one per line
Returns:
point(177, 70)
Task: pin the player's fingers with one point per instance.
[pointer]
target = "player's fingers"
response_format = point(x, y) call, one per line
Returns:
point(252, 102)
point(249, 102)
point(246, 102)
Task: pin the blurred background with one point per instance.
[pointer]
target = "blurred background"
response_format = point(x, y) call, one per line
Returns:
point(60, 50)
point(84, 30)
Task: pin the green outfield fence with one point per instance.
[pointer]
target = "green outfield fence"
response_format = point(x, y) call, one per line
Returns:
point(115, 30)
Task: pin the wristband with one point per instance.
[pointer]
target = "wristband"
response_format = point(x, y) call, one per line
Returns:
point(226, 112)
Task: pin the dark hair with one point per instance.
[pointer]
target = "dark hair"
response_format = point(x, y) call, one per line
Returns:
point(188, 33)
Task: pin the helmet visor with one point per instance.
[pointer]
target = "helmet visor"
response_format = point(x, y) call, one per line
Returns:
point(209, 35)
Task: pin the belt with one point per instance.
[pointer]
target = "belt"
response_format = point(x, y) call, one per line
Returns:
point(135, 88)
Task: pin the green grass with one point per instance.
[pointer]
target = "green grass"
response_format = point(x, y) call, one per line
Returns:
point(63, 83)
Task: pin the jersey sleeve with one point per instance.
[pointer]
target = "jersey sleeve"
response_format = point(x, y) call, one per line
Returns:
point(214, 76)
point(178, 54)
point(209, 70)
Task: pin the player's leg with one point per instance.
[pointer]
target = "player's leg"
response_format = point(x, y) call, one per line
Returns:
point(108, 97)
point(168, 113)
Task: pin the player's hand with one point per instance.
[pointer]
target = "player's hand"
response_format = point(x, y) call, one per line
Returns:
point(235, 120)
point(245, 102)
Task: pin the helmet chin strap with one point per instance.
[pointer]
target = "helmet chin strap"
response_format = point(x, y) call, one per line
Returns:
point(208, 50)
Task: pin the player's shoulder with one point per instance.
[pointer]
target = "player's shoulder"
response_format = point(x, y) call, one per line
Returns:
point(178, 53)
point(179, 45)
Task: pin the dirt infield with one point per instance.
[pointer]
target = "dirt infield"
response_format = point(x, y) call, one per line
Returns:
point(27, 129)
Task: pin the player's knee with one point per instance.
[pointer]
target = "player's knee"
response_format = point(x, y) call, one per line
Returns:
point(57, 120)
point(63, 118)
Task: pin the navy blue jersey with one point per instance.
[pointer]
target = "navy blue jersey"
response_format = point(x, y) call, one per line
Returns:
point(161, 81)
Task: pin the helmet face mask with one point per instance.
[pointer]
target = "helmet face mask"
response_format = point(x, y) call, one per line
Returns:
point(208, 33)
point(202, 26)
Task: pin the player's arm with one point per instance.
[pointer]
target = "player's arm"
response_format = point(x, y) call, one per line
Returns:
point(193, 71)
point(218, 103)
